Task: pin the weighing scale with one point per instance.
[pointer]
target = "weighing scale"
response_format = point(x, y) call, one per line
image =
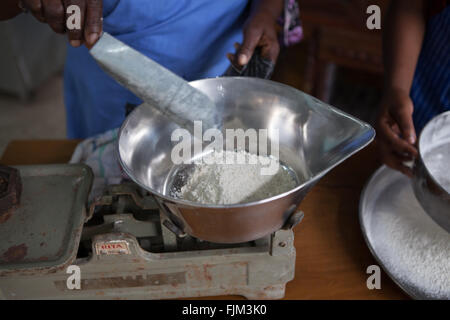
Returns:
point(123, 247)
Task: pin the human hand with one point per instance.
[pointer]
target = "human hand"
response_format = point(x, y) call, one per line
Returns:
point(395, 130)
point(259, 31)
point(53, 13)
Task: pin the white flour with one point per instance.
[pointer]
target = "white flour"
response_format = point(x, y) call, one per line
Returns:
point(234, 183)
point(416, 249)
point(437, 161)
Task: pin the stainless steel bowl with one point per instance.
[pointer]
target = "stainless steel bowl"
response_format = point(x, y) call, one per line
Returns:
point(430, 192)
point(314, 138)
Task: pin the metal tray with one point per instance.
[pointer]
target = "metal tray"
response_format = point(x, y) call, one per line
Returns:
point(44, 231)
point(386, 192)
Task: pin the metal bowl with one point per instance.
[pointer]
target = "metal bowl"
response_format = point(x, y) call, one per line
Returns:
point(434, 141)
point(314, 138)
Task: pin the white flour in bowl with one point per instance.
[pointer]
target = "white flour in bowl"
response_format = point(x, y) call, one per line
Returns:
point(234, 183)
point(437, 160)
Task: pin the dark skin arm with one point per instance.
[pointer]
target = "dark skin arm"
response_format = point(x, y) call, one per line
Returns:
point(259, 31)
point(53, 13)
point(402, 42)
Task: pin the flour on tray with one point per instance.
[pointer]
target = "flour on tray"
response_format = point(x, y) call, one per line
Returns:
point(415, 248)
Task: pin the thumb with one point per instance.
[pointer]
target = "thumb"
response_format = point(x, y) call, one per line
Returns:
point(403, 117)
point(247, 48)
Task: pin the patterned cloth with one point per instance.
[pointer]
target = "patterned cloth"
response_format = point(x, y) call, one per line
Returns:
point(100, 154)
point(290, 21)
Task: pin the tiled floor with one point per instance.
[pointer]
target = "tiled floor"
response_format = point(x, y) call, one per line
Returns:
point(43, 116)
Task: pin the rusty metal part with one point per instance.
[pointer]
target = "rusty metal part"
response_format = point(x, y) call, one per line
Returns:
point(293, 220)
point(133, 255)
point(10, 191)
point(260, 271)
point(173, 228)
point(44, 231)
point(15, 253)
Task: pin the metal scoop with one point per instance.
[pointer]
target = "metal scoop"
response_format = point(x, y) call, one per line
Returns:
point(154, 84)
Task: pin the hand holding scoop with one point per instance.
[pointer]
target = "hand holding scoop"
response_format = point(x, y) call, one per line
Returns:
point(151, 82)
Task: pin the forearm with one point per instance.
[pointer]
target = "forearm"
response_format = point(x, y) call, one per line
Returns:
point(9, 9)
point(402, 42)
point(273, 7)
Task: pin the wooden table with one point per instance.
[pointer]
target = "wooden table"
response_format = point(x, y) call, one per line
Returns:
point(332, 256)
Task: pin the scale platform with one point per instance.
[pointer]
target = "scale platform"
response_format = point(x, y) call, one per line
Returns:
point(123, 247)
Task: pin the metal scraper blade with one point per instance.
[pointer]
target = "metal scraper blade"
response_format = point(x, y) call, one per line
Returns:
point(154, 84)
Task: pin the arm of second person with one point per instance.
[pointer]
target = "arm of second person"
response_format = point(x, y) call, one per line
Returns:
point(403, 39)
point(402, 42)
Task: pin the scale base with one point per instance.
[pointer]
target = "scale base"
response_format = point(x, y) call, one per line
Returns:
point(127, 252)
point(252, 272)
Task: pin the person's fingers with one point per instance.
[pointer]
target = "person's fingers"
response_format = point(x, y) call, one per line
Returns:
point(402, 157)
point(396, 142)
point(35, 7)
point(251, 39)
point(384, 147)
point(76, 34)
point(393, 161)
point(403, 117)
point(54, 14)
point(400, 167)
point(231, 57)
point(94, 21)
point(270, 48)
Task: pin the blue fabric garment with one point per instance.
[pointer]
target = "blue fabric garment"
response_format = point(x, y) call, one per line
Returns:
point(430, 90)
point(189, 37)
